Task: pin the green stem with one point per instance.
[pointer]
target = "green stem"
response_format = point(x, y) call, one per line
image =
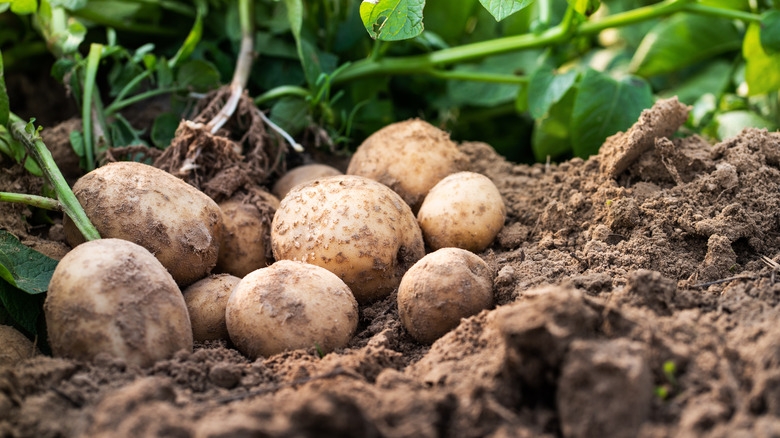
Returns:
point(116, 106)
point(32, 200)
point(281, 91)
point(37, 149)
point(478, 76)
point(129, 87)
point(721, 12)
point(93, 60)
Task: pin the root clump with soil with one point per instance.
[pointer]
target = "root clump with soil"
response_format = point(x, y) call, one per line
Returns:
point(635, 295)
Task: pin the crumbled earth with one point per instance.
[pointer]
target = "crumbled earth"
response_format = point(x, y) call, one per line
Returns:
point(636, 296)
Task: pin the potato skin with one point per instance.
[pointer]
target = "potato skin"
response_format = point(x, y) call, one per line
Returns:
point(113, 296)
point(352, 226)
point(290, 305)
point(302, 174)
point(410, 157)
point(14, 346)
point(464, 210)
point(173, 220)
point(206, 301)
point(245, 243)
point(443, 287)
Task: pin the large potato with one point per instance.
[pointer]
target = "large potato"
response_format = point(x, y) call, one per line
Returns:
point(440, 289)
point(113, 296)
point(352, 226)
point(246, 236)
point(410, 157)
point(300, 175)
point(206, 301)
point(464, 210)
point(14, 346)
point(290, 305)
point(132, 201)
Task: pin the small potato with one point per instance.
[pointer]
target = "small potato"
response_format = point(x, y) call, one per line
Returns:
point(440, 289)
point(410, 157)
point(352, 226)
point(173, 220)
point(302, 174)
point(206, 301)
point(113, 296)
point(290, 305)
point(464, 210)
point(14, 346)
point(246, 235)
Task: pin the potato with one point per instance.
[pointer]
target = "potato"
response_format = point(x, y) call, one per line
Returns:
point(14, 346)
point(464, 210)
point(132, 201)
point(410, 157)
point(290, 305)
point(246, 234)
point(300, 175)
point(352, 226)
point(443, 287)
point(113, 296)
point(206, 301)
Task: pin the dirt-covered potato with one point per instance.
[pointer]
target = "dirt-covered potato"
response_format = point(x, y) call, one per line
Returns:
point(302, 174)
point(14, 346)
point(352, 226)
point(206, 301)
point(113, 296)
point(410, 157)
point(443, 287)
point(290, 305)
point(173, 220)
point(246, 235)
point(464, 210)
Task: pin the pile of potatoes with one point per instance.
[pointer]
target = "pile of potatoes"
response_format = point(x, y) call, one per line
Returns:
point(149, 288)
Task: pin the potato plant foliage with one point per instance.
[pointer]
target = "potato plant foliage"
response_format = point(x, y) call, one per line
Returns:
point(537, 79)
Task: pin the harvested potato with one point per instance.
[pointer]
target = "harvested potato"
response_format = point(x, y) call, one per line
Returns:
point(352, 226)
point(410, 157)
point(206, 301)
point(14, 346)
point(113, 296)
point(440, 289)
point(246, 235)
point(464, 210)
point(133, 201)
point(302, 174)
point(290, 305)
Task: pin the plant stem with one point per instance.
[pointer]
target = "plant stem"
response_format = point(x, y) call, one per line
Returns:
point(129, 87)
point(243, 66)
point(37, 149)
point(720, 12)
point(116, 106)
point(282, 91)
point(93, 59)
point(478, 76)
point(32, 200)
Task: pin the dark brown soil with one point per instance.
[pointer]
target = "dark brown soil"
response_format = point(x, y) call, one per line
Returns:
point(632, 300)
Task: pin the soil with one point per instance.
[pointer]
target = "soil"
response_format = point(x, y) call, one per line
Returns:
point(635, 291)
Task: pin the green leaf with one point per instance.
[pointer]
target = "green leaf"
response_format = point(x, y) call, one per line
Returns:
point(713, 78)
point(732, 123)
point(123, 133)
point(192, 40)
point(4, 104)
point(682, 40)
point(24, 7)
point(290, 114)
point(15, 150)
point(605, 106)
point(164, 129)
point(501, 9)
point(392, 20)
point(762, 70)
point(770, 31)
point(62, 67)
point(23, 267)
point(546, 88)
point(4, 7)
point(552, 135)
point(198, 74)
point(73, 5)
point(478, 93)
point(77, 142)
point(24, 309)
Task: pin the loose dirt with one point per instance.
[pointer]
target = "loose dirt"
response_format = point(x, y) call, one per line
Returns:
point(632, 300)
